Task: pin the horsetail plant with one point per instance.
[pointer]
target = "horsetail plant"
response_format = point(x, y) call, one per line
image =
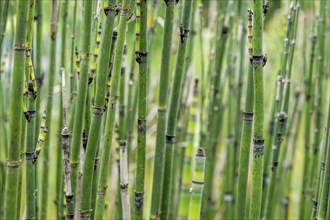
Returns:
point(159, 159)
point(59, 170)
point(142, 59)
point(65, 155)
point(111, 111)
point(81, 97)
point(188, 155)
point(15, 120)
point(195, 204)
point(174, 106)
point(246, 133)
point(96, 122)
point(31, 114)
point(51, 79)
point(258, 62)
point(123, 170)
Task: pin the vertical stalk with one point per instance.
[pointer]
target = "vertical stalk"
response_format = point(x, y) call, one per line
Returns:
point(82, 94)
point(244, 158)
point(159, 158)
point(111, 111)
point(59, 169)
point(174, 107)
point(65, 154)
point(94, 132)
point(188, 156)
point(258, 137)
point(51, 78)
point(307, 139)
point(142, 59)
point(195, 204)
point(15, 119)
point(31, 114)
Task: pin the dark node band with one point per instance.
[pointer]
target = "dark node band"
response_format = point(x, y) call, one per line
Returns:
point(85, 213)
point(13, 163)
point(110, 7)
point(198, 182)
point(248, 116)
point(200, 152)
point(29, 155)
point(183, 33)
point(170, 139)
point(142, 127)
point(98, 110)
point(20, 47)
point(258, 147)
point(139, 200)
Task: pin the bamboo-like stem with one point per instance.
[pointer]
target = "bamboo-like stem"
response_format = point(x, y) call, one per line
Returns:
point(323, 211)
point(52, 69)
point(126, 208)
point(3, 15)
point(174, 107)
point(258, 137)
point(111, 111)
point(195, 204)
point(72, 61)
point(65, 155)
point(307, 139)
point(96, 122)
point(31, 113)
point(159, 158)
point(188, 156)
point(15, 119)
point(244, 157)
point(282, 109)
point(124, 181)
point(59, 168)
point(319, 109)
point(38, 61)
point(215, 110)
point(82, 94)
point(142, 59)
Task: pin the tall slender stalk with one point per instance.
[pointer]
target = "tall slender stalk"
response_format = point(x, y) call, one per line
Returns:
point(174, 107)
point(15, 119)
point(188, 156)
point(258, 137)
point(323, 213)
point(51, 78)
point(195, 204)
point(82, 94)
point(307, 139)
point(111, 111)
point(59, 168)
point(319, 108)
point(30, 132)
point(244, 157)
point(159, 158)
point(96, 122)
point(65, 154)
point(142, 59)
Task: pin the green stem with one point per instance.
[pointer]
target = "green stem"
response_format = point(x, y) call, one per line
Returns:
point(195, 204)
point(142, 59)
point(244, 157)
point(51, 79)
point(174, 107)
point(258, 137)
point(94, 132)
point(82, 94)
point(111, 111)
point(159, 158)
point(15, 119)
